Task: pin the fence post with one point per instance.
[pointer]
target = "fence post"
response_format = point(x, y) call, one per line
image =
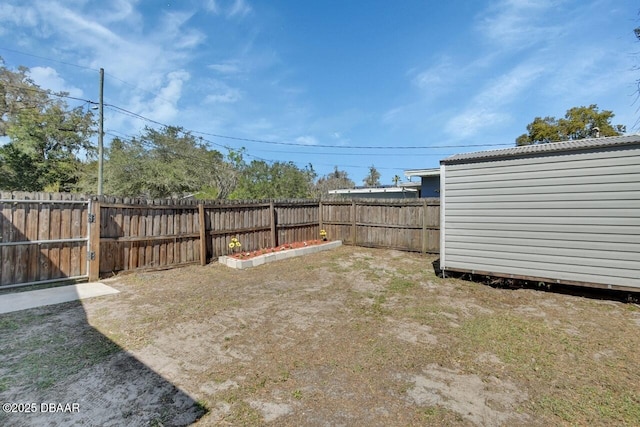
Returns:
point(272, 211)
point(353, 223)
point(320, 224)
point(203, 235)
point(425, 231)
point(94, 249)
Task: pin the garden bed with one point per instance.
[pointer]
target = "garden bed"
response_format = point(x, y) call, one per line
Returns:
point(265, 256)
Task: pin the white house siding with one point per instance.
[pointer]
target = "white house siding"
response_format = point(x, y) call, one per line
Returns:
point(567, 216)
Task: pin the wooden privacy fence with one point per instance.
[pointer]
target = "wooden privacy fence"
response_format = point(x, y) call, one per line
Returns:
point(407, 225)
point(64, 236)
point(43, 238)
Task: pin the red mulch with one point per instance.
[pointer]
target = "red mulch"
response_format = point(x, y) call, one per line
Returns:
point(294, 245)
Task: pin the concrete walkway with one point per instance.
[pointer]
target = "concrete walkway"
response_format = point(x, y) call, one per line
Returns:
point(31, 299)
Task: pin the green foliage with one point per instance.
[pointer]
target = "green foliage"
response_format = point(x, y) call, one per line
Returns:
point(47, 138)
point(165, 163)
point(17, 92)
point(260, 180)
point(332, 181)
point(373, 179)
point(578, 123)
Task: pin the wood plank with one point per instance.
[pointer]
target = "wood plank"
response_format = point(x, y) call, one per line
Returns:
point(44, 233)
point(142, 231)
point(7, 252)
point(75, 231)
point(203, 235)
point(190, 228)
point(126, 231)
point(32, 234)
point(65, 233)
point(162, 259)
point(148, 252)
point(22, 251)
point(95, 229)
point(354, 224)
point(134, 222)
point(272, 223)
point(113, 205)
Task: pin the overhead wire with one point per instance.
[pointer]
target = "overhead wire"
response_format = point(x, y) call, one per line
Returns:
point(252, 140)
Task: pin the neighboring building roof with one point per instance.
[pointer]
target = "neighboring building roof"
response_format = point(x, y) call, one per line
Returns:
point(372, 190)
point(579, 144)
point(422, 172)
point(409, 184)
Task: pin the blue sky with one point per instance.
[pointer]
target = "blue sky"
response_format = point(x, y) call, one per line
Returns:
point(327, 79)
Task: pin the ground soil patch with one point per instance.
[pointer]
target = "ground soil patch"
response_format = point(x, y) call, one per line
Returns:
point(352, 336)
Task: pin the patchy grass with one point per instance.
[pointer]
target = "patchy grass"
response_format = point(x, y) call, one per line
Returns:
point(41, 357)
point(345, 337)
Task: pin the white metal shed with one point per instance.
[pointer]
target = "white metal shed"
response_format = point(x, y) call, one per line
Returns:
point(565, 212)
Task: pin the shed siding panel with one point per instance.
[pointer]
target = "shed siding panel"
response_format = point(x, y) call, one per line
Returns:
point(572, 216)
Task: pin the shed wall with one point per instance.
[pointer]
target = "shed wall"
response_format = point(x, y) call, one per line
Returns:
point(568, 216)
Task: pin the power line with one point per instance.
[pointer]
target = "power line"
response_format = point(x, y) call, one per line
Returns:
point(86, 68)
point(47, 59)
point(261, 141)
point(48, 92)
point(236, 138)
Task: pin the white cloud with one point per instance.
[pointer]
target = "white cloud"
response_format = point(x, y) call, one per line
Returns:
point(490, 107)
point(227, 67)
point(508, 87)
point(164, 106)
point(48, 78)
point(174, 31)
point(119, 11)
point(22, 16)
point(442, 73)
point(221, 93)
point(518, 24)
point(239, 8)
point(212, 6)
point(307, 140)
point(473, 120)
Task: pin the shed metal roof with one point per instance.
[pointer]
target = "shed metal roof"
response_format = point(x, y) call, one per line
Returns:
point(580, 144)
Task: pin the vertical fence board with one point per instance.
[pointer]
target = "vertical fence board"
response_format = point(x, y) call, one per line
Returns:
point(95, 229)
point(7, 252)
point(33, 270)
point(75, 232)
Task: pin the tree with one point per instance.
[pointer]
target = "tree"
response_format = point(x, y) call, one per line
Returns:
point(164, 163)
point(373, 179)
point(578, 123)
point(396, 179)
point(17, 92)
point(261, 180)
point(332, 181)
point(47, 138)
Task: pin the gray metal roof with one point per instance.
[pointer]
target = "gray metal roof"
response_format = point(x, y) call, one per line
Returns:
point(579, 144)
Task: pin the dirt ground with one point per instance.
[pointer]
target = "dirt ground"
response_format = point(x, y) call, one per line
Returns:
point(346, 337)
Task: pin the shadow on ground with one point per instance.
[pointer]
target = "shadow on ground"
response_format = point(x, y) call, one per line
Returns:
point(58, 370)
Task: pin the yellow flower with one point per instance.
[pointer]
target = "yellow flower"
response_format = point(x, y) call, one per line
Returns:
point(232, 244)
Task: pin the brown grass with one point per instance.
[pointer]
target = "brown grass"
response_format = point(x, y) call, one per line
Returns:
point(368, 337)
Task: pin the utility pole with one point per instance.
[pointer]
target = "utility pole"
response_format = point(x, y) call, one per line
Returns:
point(100, 132)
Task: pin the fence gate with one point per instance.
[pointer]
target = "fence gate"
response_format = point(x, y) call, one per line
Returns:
point(43, 240)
